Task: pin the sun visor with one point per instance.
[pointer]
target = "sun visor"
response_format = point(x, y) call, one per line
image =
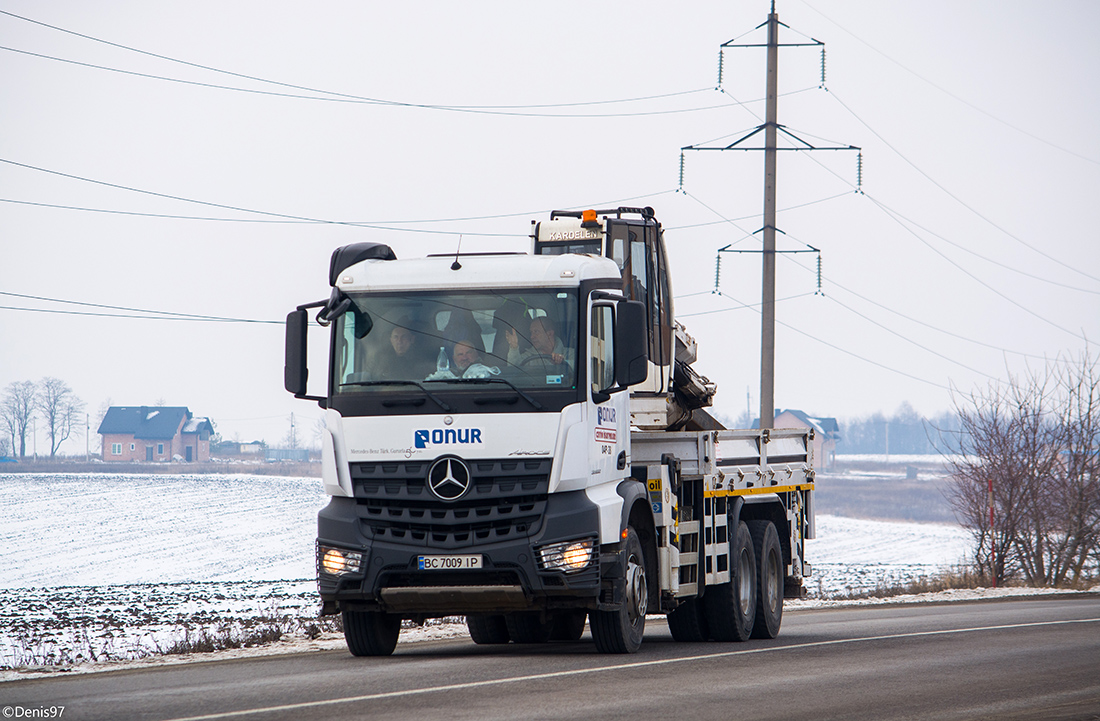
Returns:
point(349, 255)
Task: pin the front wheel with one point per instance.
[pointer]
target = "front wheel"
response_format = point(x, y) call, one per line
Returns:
point(371, 633)
point(621, 631)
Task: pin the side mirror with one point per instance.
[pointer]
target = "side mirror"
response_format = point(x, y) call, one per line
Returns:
point(631, 343)
point(295, 371)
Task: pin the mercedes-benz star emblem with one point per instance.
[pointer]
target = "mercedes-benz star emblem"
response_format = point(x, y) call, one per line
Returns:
point(449, 478)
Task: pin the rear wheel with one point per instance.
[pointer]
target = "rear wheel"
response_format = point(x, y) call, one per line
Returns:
point(730, 607)
point(488, 629)
point(568, 625)
point(687, 622)
point(371, 633)
point(770, 576)
point(527, 627)
point(621, 631)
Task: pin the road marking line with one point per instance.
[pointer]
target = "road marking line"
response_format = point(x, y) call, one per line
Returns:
point(617, 667)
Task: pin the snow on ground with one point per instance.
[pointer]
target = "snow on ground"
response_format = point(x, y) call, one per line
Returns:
point(100, 529)
point(852, 555)
point(120, 566)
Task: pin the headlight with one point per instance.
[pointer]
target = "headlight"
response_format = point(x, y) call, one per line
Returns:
point(569, 556)
point(337, 562)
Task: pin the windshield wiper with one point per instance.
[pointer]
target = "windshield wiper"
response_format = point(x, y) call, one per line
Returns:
point(427, 392)
point(510, 384)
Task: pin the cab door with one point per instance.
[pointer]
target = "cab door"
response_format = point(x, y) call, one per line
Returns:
point(608, 421)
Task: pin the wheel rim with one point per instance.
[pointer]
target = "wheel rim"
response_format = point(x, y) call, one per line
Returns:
point(771, 581)
point(744, 581)
point(636, 589)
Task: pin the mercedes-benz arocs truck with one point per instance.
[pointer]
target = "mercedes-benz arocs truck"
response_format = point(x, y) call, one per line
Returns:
point(521, 439)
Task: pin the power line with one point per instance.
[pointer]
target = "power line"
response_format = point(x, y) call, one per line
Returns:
point(865, 360)
point(169, 196)
point(833, 282)
point(139, 317)
point(348, 96)
point(369, 101)
point(377, 225)
point(352, 98)
point(890, 215)
point(961, 247)
point(869, 320)
point(951, 94)
point(731, 221)
point(947, 240)
point(836, 347)
point(988, 260)
point(959, 200)
point(742, 306)
point(909, 340)
point(155, 314)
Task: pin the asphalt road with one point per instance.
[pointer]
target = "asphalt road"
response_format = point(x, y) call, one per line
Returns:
point(1033, 659)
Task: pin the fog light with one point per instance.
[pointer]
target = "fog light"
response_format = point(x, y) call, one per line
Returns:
point(338, 562)
point(569, 556)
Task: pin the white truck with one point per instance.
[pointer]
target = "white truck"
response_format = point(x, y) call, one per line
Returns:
point(520, 439)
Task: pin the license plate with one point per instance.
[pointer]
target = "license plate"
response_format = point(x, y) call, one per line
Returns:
point(448, 563)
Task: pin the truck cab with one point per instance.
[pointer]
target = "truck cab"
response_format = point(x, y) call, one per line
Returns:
point(477, 427)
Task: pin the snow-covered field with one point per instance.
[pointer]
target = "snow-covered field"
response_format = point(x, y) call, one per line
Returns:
point(852, 555)
point(119, 566)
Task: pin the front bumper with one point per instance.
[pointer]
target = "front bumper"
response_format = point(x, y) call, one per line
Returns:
point(510, 579)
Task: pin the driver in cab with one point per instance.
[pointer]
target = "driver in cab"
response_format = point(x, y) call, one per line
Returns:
point(544, 344)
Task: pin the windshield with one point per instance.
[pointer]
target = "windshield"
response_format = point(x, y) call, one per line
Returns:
point(441, 340)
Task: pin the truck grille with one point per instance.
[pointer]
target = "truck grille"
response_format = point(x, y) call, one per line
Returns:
point(506, 500)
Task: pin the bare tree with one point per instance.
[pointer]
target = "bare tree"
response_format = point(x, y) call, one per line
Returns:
point(1075, 484)
point(104, 407)
point(994, 473)
point(16, 410)
point(60, 410)
point(1030, 460)
point(290, 440)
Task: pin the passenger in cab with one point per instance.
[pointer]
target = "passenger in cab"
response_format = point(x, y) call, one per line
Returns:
point(403, 358)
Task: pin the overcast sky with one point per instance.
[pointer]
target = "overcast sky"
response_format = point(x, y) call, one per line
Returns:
point(972, 251)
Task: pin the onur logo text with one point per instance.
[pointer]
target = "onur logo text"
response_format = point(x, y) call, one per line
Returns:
point(446, 436)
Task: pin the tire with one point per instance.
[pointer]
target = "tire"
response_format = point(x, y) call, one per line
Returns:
point(730, 608)
point(568, 625)
point(687, 622)
point(770, 577)
point(621, 631)
point(527, 627)
point(371, 633)
point(488, 629)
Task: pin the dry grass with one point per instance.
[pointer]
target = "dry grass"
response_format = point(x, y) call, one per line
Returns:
point(948, 580)
point(96, 642)
point(957, 579)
